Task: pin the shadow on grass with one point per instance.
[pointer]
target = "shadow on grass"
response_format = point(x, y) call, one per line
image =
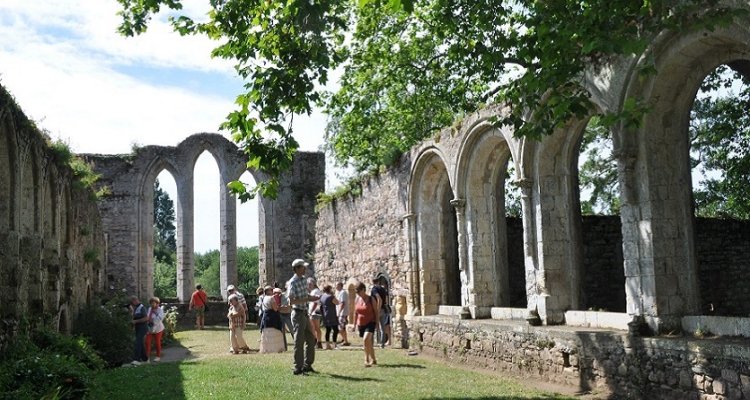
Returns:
point(163, 380)
point(542, 397)
point(353, 378)
point(412, 366)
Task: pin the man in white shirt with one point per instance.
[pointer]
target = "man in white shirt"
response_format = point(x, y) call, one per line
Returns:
point(343, 311)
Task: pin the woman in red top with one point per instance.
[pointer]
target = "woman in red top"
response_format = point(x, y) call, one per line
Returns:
point(365, 322)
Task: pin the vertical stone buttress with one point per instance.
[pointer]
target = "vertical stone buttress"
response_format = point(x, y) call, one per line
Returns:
point(464, 275)
point(185, 236)
point(412, 263)
point(228, 232)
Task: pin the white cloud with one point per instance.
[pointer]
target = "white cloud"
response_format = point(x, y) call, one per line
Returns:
point(70, 71)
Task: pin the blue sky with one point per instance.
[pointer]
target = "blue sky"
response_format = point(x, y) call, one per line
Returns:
point(75, 76)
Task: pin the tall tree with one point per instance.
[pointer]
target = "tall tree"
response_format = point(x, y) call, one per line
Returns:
point(165, 268)
point(412, 66)
point(720, 144)
point(164, 229)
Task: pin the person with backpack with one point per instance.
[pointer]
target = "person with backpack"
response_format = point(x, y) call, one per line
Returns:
point(365, 322)
point(383, 309)
point(199, 303)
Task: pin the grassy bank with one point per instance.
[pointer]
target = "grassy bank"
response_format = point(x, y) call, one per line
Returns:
point(211, 372)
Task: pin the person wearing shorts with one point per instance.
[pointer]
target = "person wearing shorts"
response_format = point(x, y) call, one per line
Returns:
point(343, 312)
point(316, 313)
point(365, 323)
point(198, 303)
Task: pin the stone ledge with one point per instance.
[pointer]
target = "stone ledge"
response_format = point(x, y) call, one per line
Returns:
point(597, 319)
point(722, 326)
point(509, 313)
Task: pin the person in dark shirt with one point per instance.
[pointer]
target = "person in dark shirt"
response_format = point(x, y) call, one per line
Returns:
point(383, 309)
point(140, 325)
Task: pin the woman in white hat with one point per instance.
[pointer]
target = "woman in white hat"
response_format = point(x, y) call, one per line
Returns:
point(271, 336)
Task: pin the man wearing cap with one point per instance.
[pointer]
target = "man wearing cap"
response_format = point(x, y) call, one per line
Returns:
point(304, 339)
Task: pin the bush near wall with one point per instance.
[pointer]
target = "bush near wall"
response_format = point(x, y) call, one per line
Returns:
point(106, 325)
point(42, 362)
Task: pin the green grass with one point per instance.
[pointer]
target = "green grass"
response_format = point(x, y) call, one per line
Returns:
point(214, 373)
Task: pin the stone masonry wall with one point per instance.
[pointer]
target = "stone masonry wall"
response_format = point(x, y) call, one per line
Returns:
point(723, 266)
point(360, 236)
point(52, 247)
point(603, 280)
point(627, 367)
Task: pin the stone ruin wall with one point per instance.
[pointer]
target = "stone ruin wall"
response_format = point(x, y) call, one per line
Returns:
point(360, 236)
point(286, 224)
point(52, 246)
point(605, 362)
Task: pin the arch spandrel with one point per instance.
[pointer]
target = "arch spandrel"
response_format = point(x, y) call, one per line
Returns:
point(483, 133)
point(426, 157)
point(232, 162)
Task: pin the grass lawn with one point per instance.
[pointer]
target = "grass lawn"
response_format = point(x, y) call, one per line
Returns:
point(213, 373)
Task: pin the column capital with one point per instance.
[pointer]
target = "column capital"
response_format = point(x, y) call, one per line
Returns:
point(525, 184)
point(458, 202)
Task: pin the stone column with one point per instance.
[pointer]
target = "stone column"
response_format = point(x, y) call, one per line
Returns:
point(228, 232)
point(464, 274)
point(411, 260)
point(535, 285)
point(185, 236)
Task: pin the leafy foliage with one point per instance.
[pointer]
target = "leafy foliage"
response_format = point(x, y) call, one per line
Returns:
point(165, 279)
point(165, 244)
point(597, 174)
point(171, 316)
point(410, 67)
point(720, 153)
point(43, 361)
point(207, 270)
point(720, 143)
point(107, 328)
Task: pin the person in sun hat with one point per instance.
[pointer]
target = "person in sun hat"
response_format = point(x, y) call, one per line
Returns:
point(231, 290)
point(304, 339)
point(271, 335)
point(236, 316)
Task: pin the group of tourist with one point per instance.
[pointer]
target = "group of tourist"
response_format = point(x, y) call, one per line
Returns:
point(372, 313)
point(303, 310)
point(148, 323)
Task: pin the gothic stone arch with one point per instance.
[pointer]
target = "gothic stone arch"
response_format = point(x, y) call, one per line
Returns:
point(127, 212)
